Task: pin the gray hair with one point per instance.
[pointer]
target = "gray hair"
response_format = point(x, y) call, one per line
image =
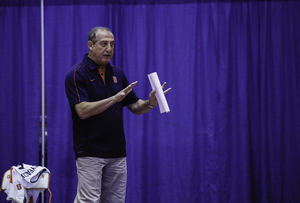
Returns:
point(92, 36)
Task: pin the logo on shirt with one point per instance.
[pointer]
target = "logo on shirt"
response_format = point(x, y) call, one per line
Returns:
point(19, 187)
point(115, 79)
point(29, 172)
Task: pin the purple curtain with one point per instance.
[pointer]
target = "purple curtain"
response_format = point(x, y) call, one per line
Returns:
point(20, 85)
point(232, 134)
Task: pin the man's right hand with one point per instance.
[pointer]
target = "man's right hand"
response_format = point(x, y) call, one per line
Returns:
point(123, 93)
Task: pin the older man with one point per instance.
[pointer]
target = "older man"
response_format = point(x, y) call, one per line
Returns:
point(97, 92)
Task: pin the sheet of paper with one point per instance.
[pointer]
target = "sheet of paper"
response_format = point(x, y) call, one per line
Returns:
point(160, 96)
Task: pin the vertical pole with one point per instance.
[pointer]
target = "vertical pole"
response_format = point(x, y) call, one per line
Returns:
point(43, 87)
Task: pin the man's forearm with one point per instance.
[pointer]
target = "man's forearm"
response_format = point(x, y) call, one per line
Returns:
point(88, 109)
point(140, 107)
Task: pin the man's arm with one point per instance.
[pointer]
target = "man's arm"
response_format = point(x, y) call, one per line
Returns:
point(88, 109)
point(142, 106)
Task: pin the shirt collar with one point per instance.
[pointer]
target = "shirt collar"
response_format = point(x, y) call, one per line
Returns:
point(91, 64)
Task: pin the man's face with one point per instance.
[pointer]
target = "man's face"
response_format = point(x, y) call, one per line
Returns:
point(103, 50)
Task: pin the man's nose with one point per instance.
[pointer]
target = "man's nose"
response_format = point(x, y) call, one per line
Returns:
point(109, 47)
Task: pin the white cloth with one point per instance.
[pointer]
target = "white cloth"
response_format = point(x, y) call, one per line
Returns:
point(25, 178)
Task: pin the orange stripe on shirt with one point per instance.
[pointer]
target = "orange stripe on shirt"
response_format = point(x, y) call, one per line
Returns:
point(75, 82)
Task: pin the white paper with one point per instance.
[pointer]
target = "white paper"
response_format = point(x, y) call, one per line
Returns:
point(160, 96)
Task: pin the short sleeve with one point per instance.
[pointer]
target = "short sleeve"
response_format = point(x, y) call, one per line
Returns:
point(75, 87)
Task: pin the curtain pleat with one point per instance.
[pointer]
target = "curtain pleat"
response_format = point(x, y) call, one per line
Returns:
point(20, 86)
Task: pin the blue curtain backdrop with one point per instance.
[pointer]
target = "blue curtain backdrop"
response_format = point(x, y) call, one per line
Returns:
point(19, 85)
point(232, 134)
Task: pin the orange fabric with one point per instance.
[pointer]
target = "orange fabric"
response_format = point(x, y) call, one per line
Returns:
point(102, 74)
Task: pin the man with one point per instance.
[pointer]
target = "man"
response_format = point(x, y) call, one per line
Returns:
point(97, 92)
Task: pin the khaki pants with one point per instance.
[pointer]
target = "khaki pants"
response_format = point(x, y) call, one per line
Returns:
point(101, 180)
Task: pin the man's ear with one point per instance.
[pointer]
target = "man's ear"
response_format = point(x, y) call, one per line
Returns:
point(90, 45)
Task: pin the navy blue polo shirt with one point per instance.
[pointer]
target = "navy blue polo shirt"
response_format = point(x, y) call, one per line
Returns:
point(100, 135)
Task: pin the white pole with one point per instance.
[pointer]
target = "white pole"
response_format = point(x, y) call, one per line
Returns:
point(43, 87)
